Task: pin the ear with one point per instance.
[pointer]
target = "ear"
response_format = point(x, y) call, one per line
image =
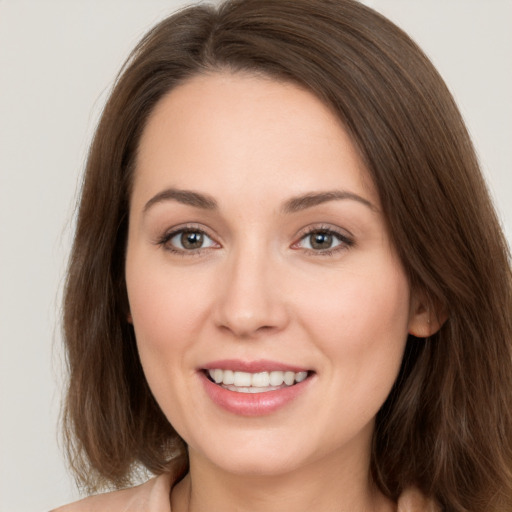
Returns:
point(129, 318)
point(425, 318)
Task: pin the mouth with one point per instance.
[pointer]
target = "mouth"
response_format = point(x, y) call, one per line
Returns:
point(255, 388)
point(257, 382)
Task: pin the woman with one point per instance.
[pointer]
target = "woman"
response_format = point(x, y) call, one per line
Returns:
point(288, 287)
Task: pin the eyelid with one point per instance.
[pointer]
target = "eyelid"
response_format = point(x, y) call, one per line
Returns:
point(170, 233)
point(346, 238)
point(343, 236)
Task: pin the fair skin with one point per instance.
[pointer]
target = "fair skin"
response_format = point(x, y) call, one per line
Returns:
point(279, 261)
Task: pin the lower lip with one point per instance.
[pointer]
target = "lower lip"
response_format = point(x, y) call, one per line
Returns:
point(252, 404)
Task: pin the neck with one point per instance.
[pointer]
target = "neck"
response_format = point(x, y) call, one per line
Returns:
point(323, 486)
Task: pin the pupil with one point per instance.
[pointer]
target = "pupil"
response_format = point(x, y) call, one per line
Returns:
point(192, 240)
point(321, 241)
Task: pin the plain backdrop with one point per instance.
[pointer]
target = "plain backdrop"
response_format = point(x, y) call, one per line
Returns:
point(57, 61)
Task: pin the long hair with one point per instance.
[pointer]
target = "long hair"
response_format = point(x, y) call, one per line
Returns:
point(446, 426)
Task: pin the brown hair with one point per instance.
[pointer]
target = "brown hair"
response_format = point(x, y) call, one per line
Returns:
point(446, 426)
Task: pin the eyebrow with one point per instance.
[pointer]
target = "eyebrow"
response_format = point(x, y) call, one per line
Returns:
point(299, 203)
point(293, 205)
point(187, 197)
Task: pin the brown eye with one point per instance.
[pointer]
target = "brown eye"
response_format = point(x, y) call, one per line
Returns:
point(320, 241)
point(191, 240)
point(188, 240)
point(323, 241)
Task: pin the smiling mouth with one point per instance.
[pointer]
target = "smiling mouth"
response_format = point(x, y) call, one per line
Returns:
point(260, 382)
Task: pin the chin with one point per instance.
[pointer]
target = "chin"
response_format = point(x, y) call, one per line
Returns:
point(259, 465)
point(256, 455)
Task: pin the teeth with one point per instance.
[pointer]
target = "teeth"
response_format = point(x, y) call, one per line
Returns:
point(228, 377)
point(242, 379)
point(289, 378)
point(260, 380)
point(250, 381)
point(276, 378)
point(299, 377)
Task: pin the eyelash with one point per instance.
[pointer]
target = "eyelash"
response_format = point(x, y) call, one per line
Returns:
point(345, 242)
point(168, 236)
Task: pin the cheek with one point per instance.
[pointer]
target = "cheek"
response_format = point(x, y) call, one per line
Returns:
point(166, 312)
point(355, 303)
point(361, 321)
point(360, 324)
point(167, 316)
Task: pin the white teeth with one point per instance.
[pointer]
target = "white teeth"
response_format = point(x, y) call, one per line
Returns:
point(260, 380)
point(299, 377)
point(229, 377)
point(252, 381)
point(289, 378)
point(276, 378)
point(242, 379)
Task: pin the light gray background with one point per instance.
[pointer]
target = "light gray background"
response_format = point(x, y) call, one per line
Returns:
point(57, 61)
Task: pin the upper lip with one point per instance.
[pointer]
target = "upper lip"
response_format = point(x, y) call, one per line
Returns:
point(261, 365)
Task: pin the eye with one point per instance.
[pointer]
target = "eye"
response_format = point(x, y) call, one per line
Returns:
point(323, 241)
point(187, 240)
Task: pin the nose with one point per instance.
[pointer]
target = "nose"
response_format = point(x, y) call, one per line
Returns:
point(251, 300)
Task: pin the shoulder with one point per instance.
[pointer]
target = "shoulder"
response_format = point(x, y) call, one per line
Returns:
point(412, 500)
point(152, 496)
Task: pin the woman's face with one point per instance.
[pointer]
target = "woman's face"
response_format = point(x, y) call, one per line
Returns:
point(257, 252)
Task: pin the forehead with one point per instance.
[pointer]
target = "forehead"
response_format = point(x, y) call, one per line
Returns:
point(229, 132)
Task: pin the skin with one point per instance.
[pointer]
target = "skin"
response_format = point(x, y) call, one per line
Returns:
point(258, 290)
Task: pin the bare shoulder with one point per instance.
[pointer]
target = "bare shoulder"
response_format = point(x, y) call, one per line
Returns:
point(152, 496)
point(115, 501)
point(412, 500)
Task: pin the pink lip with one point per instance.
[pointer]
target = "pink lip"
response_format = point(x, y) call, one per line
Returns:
point(252, 404)
point(262, 365)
